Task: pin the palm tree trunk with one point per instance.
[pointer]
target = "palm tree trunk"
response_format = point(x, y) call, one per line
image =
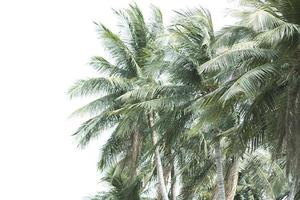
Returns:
point(173, 182)
point(159, 167)
point(295, 189)
point(297, 138)
point(231, 181)
point(292, 191)
point(232, 177)
point(293, 139)
point(137, 141)
point(167, 167)
point(220, 177)
point(167, 173)
point(215, 194)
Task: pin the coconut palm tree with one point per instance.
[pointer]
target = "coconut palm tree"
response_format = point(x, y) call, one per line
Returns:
point(220, 60)
point(130, 53)
point(264, 68)
point(192, 44)
point(168, 99)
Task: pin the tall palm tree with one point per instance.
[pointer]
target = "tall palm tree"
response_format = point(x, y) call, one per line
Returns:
point(194, 40)
point(169, 100)
point(264, 83)
point(215, 57)
point(191, 45)
point(130, 53)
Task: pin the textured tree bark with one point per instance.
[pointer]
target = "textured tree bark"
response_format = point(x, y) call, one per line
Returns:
point(173, 182)
point(167, 167)
point(293, 139)
point(292, 191)
point(159, 167)
point(214, 195)
point(231, 178)
point(297, 138)
point(137, 141)
point(220, 177)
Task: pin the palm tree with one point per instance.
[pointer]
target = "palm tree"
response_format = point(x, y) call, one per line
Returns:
point(285, 38)
point(217, 66)
point(263, 61)
point(192, 44)
point(168, 99)
point(194, 39)
point(159, 99)
point(131, 52)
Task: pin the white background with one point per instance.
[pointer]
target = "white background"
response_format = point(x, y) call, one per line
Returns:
point(44, 48)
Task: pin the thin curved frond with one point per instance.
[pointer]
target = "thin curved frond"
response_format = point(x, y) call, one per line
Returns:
point(93, 127)
point(234, 57)
point(96, 86)
point(118, 50)
point(97, 106)
point(251, 81)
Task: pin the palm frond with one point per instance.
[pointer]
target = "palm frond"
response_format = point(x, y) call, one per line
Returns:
point(153, 92)
point(97, 106)
point(250, 82)
point(93, 127)
point(156, 26)
point(233, 57)
point(228, 36)
point(96, 86)
point(100, 64)
point(259, 19)
point(118, 50)
point(286, 36)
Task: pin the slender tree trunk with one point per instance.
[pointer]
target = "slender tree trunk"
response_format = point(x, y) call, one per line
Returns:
point(297, 138)
point(167, 167)
point(167, 173)
point(159, 167)
point(232, 177)
point(293, 139)
point(295, 189)
point(292, 191)
point(173, 182)
point(137, 141)
point(214, 195)
point(220, 177)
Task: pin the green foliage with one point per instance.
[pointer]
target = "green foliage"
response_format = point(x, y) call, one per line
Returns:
point(239, 85)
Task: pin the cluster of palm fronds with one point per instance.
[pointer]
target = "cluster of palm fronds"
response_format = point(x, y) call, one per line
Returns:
point(195, 113)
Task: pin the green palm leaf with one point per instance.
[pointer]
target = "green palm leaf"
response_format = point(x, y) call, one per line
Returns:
point(96, 86)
